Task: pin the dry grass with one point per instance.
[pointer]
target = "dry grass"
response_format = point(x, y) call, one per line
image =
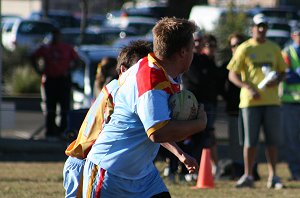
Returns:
point(31, 180)
point(45, 180)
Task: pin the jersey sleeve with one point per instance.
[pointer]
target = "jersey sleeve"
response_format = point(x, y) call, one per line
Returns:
point(153, 110)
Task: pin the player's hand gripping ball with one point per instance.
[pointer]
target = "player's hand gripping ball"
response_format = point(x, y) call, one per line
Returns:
point(183, 105)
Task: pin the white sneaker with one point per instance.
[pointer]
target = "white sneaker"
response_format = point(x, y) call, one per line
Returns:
point(188, 177)
point(275, 183)
point(166, 172)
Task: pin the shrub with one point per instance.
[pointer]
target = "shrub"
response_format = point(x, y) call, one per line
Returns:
point(13, 59)
point(19, 77)
point(233, 21)
point(23, 80)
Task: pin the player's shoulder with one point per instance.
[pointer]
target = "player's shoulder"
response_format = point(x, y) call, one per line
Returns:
point(112, 85)
point(151, 77)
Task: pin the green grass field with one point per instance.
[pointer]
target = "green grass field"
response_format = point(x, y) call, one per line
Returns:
point(44, 180)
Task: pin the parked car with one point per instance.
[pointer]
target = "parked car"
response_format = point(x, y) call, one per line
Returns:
point(207, 17)
point(25, 33)
point(84, 77)
point(276, 25)
point(141, 25)
point(60, 18)
point(208, 23)
point(94, 36)
point(281, 37)
point(9, 19)
point(96, 20)
point(125, 41)
point(153, 11)
point(285, 14)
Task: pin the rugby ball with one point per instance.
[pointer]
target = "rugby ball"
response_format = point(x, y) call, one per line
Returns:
point(183, 105)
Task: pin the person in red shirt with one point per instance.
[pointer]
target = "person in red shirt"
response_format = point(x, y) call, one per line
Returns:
point(54, 62)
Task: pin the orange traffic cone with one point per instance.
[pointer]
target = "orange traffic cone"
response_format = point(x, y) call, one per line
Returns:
point(205, 177)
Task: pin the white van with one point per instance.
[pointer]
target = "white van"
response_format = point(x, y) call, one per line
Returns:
point(206, 17)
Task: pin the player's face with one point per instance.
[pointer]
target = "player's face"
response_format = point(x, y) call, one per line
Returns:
point(188, 54)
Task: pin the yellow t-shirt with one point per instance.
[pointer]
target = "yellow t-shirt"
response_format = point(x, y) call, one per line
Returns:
point(248, 61)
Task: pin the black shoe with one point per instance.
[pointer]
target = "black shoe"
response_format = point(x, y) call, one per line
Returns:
point(256, 176)
point(245, 182)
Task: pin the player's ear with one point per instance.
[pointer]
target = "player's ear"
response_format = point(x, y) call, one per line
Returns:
point(183, 51)
point(123, 69)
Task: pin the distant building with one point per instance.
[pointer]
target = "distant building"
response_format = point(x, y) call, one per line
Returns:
point(253, 3)
point(23, 8)
point(20, 7)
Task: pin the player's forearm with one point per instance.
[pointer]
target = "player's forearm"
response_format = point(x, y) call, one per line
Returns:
point(177, 130)
point(173, 148)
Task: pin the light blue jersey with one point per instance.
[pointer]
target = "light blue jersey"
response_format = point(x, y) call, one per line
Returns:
point(123, 151)
point(73, 168)
point(123, 148)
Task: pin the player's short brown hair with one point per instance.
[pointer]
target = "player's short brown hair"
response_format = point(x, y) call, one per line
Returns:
point(170, 35)
point(130, 54)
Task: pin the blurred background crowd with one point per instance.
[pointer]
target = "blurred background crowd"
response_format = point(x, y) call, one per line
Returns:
point(99, 29)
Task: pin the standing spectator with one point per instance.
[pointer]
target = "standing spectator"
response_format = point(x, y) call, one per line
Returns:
point(105, 73)
point(231, 94)
point(203, 79)
point(259, 107)
point(121, 160)
point(291, 104)
point(54, 61)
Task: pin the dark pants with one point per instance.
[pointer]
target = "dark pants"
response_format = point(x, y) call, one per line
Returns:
point(57, 91)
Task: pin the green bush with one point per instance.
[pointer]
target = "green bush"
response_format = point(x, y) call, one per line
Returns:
point(233, 21)
point(19, 77)
point(23, 80)
point(13, 59)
